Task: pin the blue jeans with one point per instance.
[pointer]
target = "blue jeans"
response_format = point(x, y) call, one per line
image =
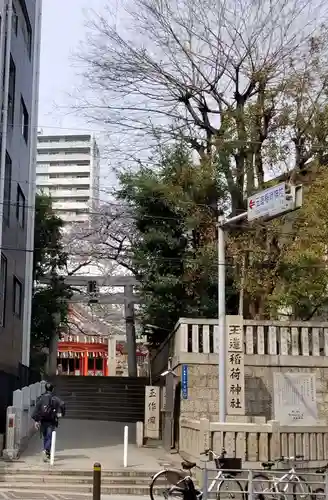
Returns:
point(47, 435)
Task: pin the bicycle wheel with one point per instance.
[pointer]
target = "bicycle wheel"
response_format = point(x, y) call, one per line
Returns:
point(229, 489)
point(260, 486)
point(301, 490)
point(163, 482)
point(319, 494)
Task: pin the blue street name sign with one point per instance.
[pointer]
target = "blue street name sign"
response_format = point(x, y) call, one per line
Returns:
point(184, 382)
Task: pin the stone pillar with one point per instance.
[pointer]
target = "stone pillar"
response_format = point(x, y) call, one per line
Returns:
point(130, 331)
point(111, 360)
point(52, 357)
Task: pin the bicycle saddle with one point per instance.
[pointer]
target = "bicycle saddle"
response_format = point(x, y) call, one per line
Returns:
point(186, 465)
point(267, 465)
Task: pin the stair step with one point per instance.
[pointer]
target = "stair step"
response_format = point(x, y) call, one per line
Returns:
point(102, 413)
point(77, 488)
point(105, 401)
point(104, 418)
point(77, 480)
point(103, 409)
point(48, 470)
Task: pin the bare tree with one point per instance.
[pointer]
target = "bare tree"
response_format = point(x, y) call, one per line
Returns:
point(222, 75)
point(104, 241)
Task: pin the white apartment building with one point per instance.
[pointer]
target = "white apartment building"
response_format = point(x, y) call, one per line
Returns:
point(68, 170)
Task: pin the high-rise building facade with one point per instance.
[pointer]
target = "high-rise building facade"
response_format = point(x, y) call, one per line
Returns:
point(20, 23)
point(68, 170)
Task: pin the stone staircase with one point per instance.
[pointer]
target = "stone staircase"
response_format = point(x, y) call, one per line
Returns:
point(72, 483)
point(120, 399)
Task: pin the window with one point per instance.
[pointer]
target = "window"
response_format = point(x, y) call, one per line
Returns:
point(24, 120)
point(20, 206)
point(3, 289)
point(7, 190)
point(15, 20)
point(18, 298)
point(11, 92)
point(27, 32)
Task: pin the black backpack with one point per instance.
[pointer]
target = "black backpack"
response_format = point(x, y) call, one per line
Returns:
point(48, 411)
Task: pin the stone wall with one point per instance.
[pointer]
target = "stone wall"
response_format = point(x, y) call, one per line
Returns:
point(203, 394)
point(254, 443)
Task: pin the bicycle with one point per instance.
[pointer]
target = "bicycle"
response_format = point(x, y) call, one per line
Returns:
point(319, 493)
point(183, 485)
point(281, 486)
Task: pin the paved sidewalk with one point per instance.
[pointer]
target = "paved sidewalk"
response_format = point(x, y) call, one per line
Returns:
point(80, 443)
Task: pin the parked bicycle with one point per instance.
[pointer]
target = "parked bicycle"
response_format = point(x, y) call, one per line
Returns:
point(270, 486)
point(319, 493)
point(181, 483)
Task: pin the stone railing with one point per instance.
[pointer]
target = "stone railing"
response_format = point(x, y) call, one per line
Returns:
point(254, 443)
point(20, 425)
point(295, 338)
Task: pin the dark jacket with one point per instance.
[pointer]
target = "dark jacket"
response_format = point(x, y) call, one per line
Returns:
point(56, 403)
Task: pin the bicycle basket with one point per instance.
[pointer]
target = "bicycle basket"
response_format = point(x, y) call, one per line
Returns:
point(233, 465)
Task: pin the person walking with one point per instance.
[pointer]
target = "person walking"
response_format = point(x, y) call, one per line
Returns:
point(48, 409)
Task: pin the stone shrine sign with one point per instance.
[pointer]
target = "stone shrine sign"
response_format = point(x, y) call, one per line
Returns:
point(152, 409)
point(294, 398)
point(235, 366)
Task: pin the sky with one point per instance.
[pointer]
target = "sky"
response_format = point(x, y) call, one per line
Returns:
point(63, 28)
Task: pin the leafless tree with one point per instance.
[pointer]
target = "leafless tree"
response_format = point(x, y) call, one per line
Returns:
point(105, 240)
point(220, 74)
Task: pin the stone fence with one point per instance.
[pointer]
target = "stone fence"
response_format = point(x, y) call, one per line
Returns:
point(286, 338)
point(20, 425)
point(254, 443)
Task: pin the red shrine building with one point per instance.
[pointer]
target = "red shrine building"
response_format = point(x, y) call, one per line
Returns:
point(97, 354)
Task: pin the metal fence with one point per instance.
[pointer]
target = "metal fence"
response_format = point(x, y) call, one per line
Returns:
point(281, 484)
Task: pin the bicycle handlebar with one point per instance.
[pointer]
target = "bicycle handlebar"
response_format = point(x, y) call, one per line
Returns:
point(214, 455)
point(289, 459)
point(322, 470)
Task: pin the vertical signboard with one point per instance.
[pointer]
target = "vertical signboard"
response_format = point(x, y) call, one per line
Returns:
point(184, 382)
point(235, 366)
point(152, 408)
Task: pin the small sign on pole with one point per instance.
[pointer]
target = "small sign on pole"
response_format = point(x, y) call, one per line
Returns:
point(152, 408)
point(184, 382)
point(273, 201)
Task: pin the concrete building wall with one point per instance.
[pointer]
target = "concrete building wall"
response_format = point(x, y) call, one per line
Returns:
point(16, 208)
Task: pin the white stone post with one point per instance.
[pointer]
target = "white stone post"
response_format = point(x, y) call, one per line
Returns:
point(18, 405)
point(11, 451)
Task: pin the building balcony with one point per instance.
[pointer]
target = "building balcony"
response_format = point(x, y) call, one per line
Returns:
point(70, 205)
point(64, 145)
point(58, 157)
point(63, 169)
point(63, 181)
point(73, 217)
point(69, 193)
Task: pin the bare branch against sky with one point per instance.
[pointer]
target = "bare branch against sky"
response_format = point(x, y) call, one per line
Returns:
point(168, 68)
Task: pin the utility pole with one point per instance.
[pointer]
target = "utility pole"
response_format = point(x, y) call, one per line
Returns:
point(267, 205)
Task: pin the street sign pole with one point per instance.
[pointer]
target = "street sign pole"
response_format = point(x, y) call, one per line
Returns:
point(222, 222)
point(221, 320)
point(267, 204)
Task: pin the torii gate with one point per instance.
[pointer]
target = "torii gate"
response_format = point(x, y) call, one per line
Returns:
point(128, 298)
